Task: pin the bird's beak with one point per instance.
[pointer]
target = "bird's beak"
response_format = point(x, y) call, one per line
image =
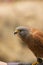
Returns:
point(16, 31)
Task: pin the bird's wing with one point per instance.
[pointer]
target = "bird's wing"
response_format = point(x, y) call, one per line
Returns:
point(38, 36)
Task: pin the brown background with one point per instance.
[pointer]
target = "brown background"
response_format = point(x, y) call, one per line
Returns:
point(25, 13)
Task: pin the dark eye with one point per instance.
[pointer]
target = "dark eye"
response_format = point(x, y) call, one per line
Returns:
point(20, 30)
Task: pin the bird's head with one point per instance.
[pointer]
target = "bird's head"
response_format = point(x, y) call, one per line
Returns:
point(22, 31)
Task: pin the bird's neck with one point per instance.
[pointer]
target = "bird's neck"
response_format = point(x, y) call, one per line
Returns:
point(29, 41)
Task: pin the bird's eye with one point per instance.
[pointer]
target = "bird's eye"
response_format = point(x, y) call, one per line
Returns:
point(20, 30)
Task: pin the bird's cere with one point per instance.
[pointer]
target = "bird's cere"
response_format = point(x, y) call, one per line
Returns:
point(16, 31)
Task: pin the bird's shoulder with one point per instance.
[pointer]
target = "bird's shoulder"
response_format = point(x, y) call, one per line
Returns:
point(37, 34)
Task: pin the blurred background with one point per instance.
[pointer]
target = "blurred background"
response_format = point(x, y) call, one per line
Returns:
point(15, 13)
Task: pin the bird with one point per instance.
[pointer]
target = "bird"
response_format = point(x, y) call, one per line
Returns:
point(33, 38)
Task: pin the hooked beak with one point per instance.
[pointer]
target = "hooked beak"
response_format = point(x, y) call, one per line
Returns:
point(16, 31)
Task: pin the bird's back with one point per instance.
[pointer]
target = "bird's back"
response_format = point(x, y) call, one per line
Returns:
point(37, 46)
